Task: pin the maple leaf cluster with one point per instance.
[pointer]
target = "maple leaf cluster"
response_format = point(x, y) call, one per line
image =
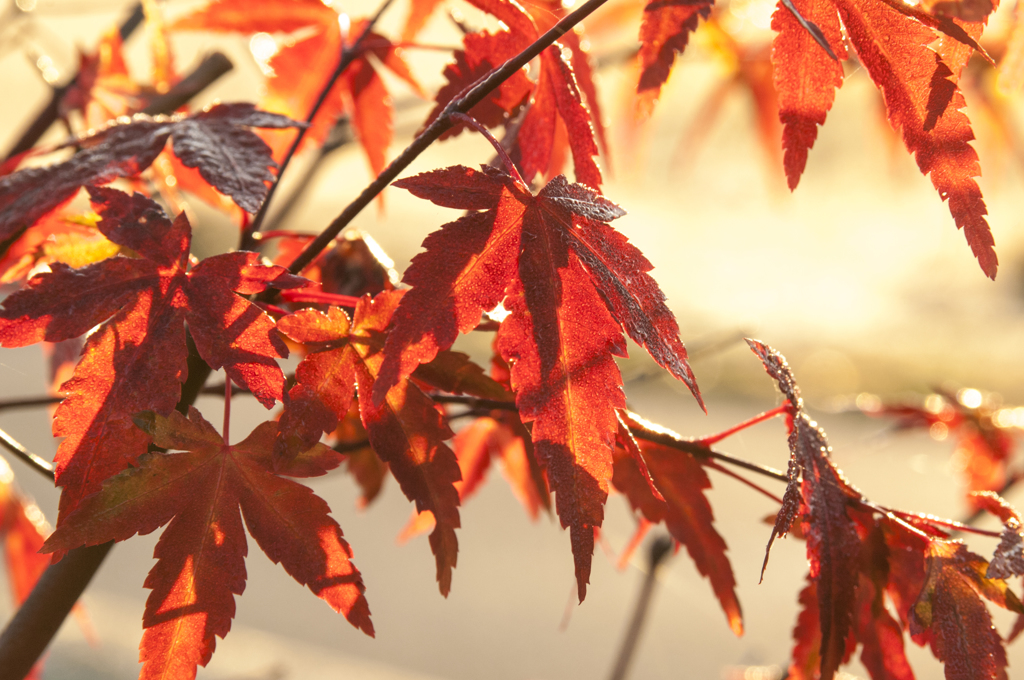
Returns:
point(984, 431)
point(533, 258)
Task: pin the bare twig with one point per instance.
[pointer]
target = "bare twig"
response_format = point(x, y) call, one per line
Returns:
point(475, 402)
point(646, 430)
point(39, 618)
point(661, 548)
point(340, 135)
point(37, 463)
point(29, 402)
point(212, 67)
point(641, 429)
point(743, 480)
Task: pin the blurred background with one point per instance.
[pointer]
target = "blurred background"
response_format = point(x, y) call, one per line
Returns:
point(859, 277)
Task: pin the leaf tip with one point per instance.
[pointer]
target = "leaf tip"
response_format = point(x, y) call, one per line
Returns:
point(145, 421)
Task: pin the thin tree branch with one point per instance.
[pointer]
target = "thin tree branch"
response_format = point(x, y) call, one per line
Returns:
point(475, 402)
point(37, 463)
point(943, 523)
point(339, 136)
point(462, 104)
point(743, 480)
point(749, 422)
point(30, 402)
point(641, 429)
point(348, 55)
point(503, 156)
point(49, 113)
point(49, 603)
point(661, 548)
point(648, 431)
point(212, 67)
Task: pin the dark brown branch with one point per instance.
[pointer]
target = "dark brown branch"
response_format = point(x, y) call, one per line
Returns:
point(29, 403)
point(660, 549)
point(475, 402)
point(212, 67)
point(49, 114)
point(339, 136)
point(37, 463)
point(39, 618)
point(462, 104)
point(666, 437)
point(348, 55)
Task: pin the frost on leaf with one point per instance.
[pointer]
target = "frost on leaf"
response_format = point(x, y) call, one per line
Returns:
point(833, 543)
point(202, 494)
point(950, 616)
point(1008, 559)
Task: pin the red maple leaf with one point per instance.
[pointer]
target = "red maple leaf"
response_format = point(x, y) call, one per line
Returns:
point(104, 88)
point(950, 616)
point(664, 33)
point(301, 68)
point(833, 543)
point(136, 359)
point(915, 58)
point(572, 285)
point(476, 446)
point(919, 84)
point(881, 636)
point(1008, 559)
point(857, 560)
point(645, 471)
point(984, 450)
point(557, 115)
point(481, 53)
point(201, 554)
point(22, 532)
point(420, 12)
point(405, 429)
point(57, 237)
point(878, 633)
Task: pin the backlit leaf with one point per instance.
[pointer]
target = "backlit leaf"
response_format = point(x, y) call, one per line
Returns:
point(202, 495)
point(833, 543)
point(551, 260)
point(686, 512)
point(136, 359)
point(404, 429)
